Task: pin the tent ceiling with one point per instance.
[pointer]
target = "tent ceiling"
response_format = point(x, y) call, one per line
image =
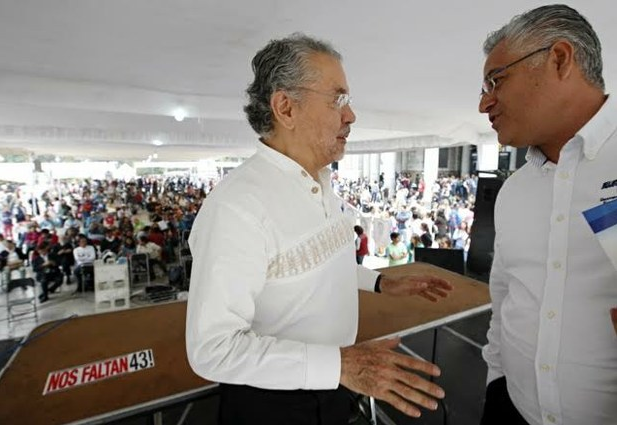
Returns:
point(101, 79)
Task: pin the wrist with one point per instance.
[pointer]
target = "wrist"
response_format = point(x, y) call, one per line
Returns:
point(378, 283)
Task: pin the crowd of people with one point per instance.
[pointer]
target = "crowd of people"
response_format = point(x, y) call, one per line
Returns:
point(404, 220)
point(72, 224)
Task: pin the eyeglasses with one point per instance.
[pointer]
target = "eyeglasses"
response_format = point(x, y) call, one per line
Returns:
point(489, 83)
point(340, 99)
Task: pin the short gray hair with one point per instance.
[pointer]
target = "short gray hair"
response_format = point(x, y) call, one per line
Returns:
point(281, 65)
point(543, 26)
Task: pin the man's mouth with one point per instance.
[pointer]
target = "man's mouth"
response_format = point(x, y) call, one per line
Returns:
point(493, 120)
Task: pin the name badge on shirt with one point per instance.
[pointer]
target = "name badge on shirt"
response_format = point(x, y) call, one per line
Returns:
point(603, 221)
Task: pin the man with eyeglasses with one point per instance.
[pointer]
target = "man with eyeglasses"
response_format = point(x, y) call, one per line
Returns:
point(552, 351)
point(273, 303)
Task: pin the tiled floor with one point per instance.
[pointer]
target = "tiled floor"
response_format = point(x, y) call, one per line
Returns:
point(62, 304)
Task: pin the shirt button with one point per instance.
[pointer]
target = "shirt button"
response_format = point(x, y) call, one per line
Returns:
point(564, 175)
point(551, 418)
point(314, 189)
point(304, 173)
point(560, 218)
point(551, 314)
point(545, 368)
point(556, 264)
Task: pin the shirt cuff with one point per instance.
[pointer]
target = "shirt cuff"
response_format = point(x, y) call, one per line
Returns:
point(323, 367)
point(366, 278)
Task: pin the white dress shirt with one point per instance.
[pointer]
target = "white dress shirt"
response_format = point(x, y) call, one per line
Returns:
point(273, 291)
point(552, 285)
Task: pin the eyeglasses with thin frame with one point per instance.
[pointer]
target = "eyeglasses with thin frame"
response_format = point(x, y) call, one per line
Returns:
point(340, 99)
point(489, 83)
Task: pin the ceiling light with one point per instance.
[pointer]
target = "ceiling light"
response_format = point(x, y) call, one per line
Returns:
point(179, 114)
point(157, 142)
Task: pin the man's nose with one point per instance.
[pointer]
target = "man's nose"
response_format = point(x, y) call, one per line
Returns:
point(487, 100)
point(349, 117)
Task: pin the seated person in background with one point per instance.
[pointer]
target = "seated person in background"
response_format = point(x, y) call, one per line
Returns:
point(47, 271)
point(111, 242)
point(96, 231)
point(128, 247)
point(154, 254)
point(14, 258)
point(31, 238)
point(156, 235)
point(47, 236)
point(65, 255)
point(83, 254)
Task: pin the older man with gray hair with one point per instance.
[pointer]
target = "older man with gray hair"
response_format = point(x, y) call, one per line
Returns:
point(273, 303)
point(552, 352)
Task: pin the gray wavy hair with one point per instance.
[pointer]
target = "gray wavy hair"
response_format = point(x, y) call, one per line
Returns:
point(281, 65)
point(543, 26)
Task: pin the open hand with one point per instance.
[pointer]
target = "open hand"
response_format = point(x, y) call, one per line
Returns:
point(430, 287)
point(372, 368)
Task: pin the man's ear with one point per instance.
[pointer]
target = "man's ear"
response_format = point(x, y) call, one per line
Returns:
point(282, 109)
point(562, 58)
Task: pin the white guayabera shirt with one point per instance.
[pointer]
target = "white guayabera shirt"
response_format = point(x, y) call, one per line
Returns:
point(273, 291)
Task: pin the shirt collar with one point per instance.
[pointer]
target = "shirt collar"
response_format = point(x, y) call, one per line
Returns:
point(289, 165)
point(599, 128)
point(593, 134)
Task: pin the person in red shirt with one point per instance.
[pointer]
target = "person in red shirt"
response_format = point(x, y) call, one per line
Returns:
point(361, 244)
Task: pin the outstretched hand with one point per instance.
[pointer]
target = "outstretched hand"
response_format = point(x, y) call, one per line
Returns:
point(372, 368)
point(430, 287)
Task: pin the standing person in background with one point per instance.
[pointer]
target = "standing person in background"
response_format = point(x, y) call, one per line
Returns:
point(397, 251)
point(361, 244)
point(273, 301)
point(552, 351)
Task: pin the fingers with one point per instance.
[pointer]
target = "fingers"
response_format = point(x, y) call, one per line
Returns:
point(415, 396)
point(389, 343)
point(401, 404)
point(407, 362)
point(440, 283)
point(428, 296)
point(433, 282)
point(431, 294)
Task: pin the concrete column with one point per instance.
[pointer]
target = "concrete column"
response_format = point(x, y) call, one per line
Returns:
point(431, 166)
point(513, 154)
point(375, 165)
point(366, 165)
point(465, 160)
point(488, 157)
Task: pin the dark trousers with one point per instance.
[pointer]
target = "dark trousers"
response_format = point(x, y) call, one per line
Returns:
point(498, 408)
point(49, 283)
point(244, 405)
